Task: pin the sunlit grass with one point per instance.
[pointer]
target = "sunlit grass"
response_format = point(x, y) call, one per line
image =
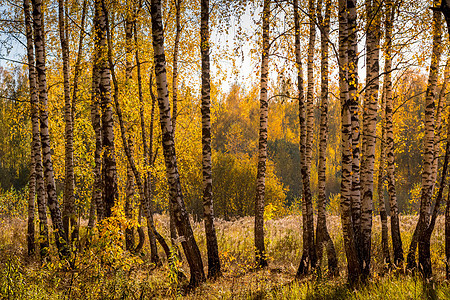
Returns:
point(106, 271)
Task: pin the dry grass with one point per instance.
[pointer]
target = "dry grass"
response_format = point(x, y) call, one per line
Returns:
point(109, 272)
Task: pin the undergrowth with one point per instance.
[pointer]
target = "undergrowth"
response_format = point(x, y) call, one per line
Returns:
point(104, 270)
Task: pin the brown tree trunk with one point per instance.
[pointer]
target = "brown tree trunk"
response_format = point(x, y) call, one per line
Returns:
point(52, 199)
point(182, 222)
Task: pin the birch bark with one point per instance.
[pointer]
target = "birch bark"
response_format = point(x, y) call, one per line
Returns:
point(261, 258)
point(428, 154)
point(182, 223)
point(52, 200)
point(208, 211)
point(322, 236)
point(390, 170)
point(353, 266)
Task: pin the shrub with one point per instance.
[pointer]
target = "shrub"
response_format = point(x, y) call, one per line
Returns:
point(234, 189)
point(13, 203)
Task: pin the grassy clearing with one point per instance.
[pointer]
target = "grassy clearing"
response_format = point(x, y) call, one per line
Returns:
point(106, 271)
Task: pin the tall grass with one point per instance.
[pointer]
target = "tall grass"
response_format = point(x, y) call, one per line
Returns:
point(106, 271)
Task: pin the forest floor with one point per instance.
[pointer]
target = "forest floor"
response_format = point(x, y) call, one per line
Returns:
point(106, 271)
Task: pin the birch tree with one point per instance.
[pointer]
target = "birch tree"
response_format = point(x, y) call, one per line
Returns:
point(109, 171)
point(182, 223)
point(303, 136)
point(128, 208)
point(173, 232)
point(353, 96)
point(322, 236)
point(382, 203)
point(76, 88)
point(260, 253)
point(69, 210)
point(353, 265)
point(129, 231)
point(97, 188)
point(208, 212)
point(428, 152)
point(445, 9)
point(424, 240)
point(390, 170)
point(309, 256)
point(176, 46)
point(152, 233)
point(31, 246)
point(145, 202)
point(52, 200)
point(373, 34)
point(36, 185)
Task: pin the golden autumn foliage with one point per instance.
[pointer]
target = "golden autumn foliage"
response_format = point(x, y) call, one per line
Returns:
point(99, 266)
